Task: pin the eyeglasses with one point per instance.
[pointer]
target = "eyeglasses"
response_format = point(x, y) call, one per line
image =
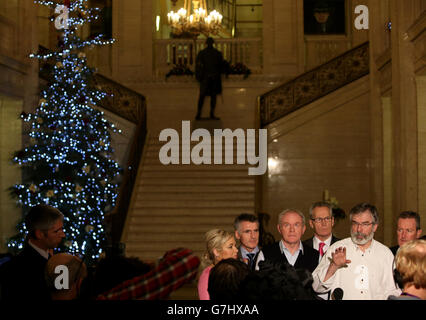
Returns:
point(296, 225)
point(320, 220)
point(363, 224)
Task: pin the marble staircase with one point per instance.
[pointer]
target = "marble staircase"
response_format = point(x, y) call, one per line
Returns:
point(174, 205)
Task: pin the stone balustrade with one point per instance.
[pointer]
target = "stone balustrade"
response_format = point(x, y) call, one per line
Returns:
point(171, 52)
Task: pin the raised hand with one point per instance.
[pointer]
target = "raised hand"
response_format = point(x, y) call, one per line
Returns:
point(338, 257)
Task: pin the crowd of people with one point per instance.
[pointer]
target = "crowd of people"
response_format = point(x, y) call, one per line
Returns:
point(322, 267)
point(235, 266)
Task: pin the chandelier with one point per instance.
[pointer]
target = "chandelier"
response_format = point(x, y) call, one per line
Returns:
point(185, 23)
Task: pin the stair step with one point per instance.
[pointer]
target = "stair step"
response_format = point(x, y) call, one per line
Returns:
point(196, 189)
point(193, 174)
point(191, 212)
point(154, 152)
point(153, 256)
point(192, 167)
point(198, 229)
point(155, 142)
point(217, 196)
point(140, 220)
point(198, 181)
point(191, 204)
point(164, 245)
point(175, 237)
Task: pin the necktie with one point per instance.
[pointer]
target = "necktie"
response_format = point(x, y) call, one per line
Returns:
point(251, 259)
point(321, 248)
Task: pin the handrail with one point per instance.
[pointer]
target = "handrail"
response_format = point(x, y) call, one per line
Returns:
point(130, 105)
point(314, 84)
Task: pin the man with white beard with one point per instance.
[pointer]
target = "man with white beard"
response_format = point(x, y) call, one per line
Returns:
point(359, 266)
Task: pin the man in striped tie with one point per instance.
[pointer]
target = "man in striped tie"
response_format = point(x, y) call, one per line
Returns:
point(247, 232)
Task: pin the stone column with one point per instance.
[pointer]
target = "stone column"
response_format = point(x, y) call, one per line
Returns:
point(133, 25)
point(404, 109)
point(283, 44)
point(421, 107)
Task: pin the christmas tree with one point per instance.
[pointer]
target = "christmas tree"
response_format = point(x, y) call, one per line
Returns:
point(68, 163)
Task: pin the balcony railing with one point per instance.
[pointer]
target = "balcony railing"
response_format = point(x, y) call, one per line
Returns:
point(314, 84)
point(171, 52)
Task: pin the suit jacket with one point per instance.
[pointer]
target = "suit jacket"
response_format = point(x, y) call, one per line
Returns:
point(310, 242)
point(308, 260)
point(23, 277)
point(394, 249)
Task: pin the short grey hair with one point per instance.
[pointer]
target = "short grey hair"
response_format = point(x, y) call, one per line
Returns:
point(291, 210)
point(320, 204)
point(41, 217)
point(362, 207)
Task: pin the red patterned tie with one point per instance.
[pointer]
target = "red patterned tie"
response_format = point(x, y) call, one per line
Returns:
point(321, 248)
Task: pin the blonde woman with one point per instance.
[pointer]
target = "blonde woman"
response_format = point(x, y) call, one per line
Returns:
point(220, 245)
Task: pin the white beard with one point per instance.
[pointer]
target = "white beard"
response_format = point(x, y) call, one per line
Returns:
point(362, 241)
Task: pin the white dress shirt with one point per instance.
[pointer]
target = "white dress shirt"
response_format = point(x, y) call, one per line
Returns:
point(315, 245)
point(367, 277)
point(316, 242)
point(42, 252)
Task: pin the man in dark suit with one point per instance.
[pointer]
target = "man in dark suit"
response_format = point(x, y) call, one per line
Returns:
point(322, 222)
point(23, 276)
point(408, 228)
point(208, 70)
point(247, 232)
point(291, 226)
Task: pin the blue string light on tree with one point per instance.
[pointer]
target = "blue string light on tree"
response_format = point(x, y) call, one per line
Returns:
point(68, 163)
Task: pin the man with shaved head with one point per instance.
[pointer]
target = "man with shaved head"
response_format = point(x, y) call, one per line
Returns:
point(64, 275)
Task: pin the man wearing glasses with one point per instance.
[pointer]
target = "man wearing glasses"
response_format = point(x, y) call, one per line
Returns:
point(322, 222)
point(359, 266)
point(291, 226)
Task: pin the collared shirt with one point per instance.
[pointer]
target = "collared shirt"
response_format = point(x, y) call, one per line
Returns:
point(244, 252)
point(369, 275)
point(177, 267)
point(315, 245)
point(316, 242)
point(42, 252)
point(291, 258)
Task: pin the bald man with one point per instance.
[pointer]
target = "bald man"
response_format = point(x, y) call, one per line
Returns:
point(64, 275)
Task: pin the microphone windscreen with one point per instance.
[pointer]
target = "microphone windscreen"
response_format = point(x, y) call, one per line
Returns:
point(337, 294)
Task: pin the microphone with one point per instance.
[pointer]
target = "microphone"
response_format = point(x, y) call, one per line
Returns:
point(337, 294)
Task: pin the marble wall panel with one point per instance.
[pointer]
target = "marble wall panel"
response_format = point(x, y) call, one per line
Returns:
point(330, 151)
